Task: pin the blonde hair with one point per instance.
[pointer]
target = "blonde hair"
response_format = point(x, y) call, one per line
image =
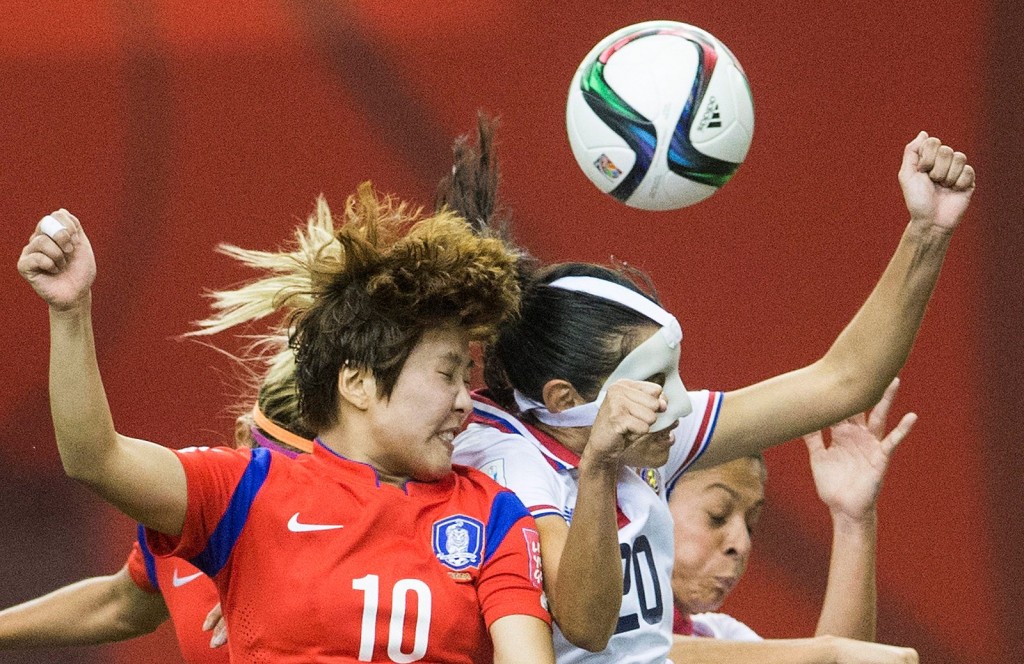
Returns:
point(363, 293)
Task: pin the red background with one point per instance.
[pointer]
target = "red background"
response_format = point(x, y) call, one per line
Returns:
point(168, 126)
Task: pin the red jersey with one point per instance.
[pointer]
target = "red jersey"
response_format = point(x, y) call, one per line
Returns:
point(189, 595)
point(316, 560)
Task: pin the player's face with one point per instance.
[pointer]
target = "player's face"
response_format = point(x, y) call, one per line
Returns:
point(714, 511)
point(415, 426)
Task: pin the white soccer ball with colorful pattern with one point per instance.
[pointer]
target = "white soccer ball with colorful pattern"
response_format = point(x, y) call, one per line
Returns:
point(660, 115)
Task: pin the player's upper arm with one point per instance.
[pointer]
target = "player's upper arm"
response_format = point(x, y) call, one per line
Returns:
point(511, 581)
point(222, 485)
point(148, 484)
point(773, 411)
point(553, 534)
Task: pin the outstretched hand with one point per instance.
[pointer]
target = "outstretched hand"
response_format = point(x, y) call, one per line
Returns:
point(937, 183)
point(848, 473)
point(60, 266)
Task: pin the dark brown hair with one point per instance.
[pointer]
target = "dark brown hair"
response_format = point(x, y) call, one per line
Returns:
point(393, 275)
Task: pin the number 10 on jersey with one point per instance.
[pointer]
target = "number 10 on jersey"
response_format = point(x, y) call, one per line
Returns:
point(370, 586)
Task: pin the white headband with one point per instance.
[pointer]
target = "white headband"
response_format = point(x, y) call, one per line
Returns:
point(627, 297)
point(585, 414)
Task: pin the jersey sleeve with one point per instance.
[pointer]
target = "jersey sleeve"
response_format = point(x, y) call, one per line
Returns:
point(141, 566)
point(515, 464)
point(222, 484)
point(511, 581)
point(693, 434)
point(722, 626)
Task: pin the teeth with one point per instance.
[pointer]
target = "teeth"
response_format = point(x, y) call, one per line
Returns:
point(447, 436)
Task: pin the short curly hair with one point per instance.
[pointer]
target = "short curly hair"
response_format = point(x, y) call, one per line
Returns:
point(362, 294)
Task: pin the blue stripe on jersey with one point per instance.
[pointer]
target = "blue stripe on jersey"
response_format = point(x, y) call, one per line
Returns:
point(505, 511)
point(222, 540)
point(716, 405)
point(147, 557)
point(497, 422)
point(711, 427)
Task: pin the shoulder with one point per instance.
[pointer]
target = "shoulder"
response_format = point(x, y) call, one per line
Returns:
point(227, 471)
point(476, 438)
point(479, 444)
point(472, 481)
point(206, 450)
point(202, 454)
point(511, 460)
point(244, 456)
point(199, 461)
point(705, 405)
point(469, 478)
point(694, 433)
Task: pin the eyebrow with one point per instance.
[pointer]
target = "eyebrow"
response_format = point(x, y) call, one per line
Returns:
point(725, 488)
point(732, 492)
point(457, 359)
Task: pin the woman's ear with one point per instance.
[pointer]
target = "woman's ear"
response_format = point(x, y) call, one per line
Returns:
point(356, 386)
point(560, 395)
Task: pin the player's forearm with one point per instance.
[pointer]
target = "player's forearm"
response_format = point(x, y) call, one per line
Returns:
point(691, 650)
point(872, 349)
point(521, 639)
point(849, 608)
point(142, 479)
point(784, 651)
point(82, 421)
point(588, 587)
point(852, 375)
point(97, 610)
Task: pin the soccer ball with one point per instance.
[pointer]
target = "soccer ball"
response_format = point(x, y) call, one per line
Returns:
point(660, 115)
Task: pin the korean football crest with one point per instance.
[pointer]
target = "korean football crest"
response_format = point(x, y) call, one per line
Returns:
point(458, 541)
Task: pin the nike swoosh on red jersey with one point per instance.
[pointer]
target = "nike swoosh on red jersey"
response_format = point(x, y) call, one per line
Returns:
point(179, 581)
point(296, 527)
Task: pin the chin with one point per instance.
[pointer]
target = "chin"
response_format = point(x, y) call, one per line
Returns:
point(434, 473)
point(696, 598)
point(653, 459)
point(705, 605)
point(713, 601)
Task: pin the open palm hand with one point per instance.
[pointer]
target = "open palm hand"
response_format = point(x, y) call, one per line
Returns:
point(848, 473)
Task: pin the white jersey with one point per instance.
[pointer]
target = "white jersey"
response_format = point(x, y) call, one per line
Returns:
point(543, 474)
point(722, 626)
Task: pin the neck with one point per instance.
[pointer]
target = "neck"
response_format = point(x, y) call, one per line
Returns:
point(574, 438)
point(338, 442)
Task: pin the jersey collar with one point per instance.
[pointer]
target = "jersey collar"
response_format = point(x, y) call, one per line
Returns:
point(357, 472)
point(682, 624)
point(488, 413)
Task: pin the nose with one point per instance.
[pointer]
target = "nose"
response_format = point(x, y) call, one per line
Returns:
point(738, 540)
point(463, 401)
